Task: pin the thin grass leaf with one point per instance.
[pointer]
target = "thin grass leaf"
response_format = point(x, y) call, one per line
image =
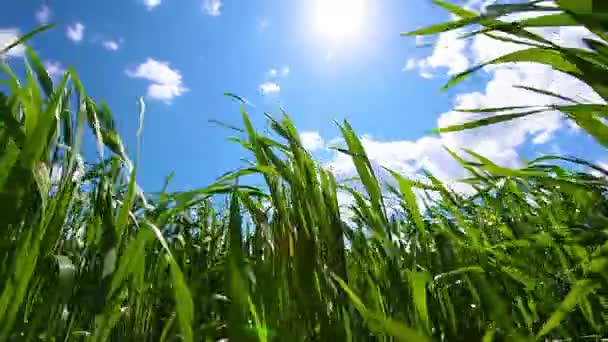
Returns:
point(579, 291)
point(25, 38)
point(491, 120)
point(536, 55)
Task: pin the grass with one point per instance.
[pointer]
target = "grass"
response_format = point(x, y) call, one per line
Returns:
point(88, 256)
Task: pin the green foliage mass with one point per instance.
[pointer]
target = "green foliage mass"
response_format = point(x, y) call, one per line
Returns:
point(86, 255)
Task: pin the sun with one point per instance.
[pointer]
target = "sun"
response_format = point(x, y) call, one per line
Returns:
point(339, 19)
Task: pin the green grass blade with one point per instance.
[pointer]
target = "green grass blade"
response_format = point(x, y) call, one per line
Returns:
point(578, 293)
point(25, 38)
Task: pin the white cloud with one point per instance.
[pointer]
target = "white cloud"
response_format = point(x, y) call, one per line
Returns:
point(312, 141)
point(165, 83)
point(479, 5)
point(55, 69)
point(406, 157)
point(422, 40)
point(269, 88)
point(8, 36)
point(263, 24)
point(43, 14)
point(448, 53)
point(212, 7)
point(426, 74)
point(111, 45)
point(500, 91)
point(499, 142)
point(75, 32)
point(410, 65)
point(151, 4)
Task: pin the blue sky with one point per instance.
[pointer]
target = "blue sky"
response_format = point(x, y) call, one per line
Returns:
point(182, 55)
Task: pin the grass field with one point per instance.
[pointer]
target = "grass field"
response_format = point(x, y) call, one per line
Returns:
point(86, 255)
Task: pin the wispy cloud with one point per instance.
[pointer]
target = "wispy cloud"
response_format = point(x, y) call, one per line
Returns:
point(43, 14)
point(151, 4)
point(269, 88)
point(111, 45)
point(8, 36)
point(279, 72)
point(165, 82)
point(501, 142)
point(55, 69)
point(271, 85)
point(449, 52)
point(263, 24)
point(75, 32)
point(312, 141)
point(285, 70)
point(410, 65)
point(212, 7)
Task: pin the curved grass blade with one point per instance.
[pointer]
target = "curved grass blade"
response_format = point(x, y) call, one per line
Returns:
point(546, 56)
point(25, 38)
point(579, 292)
point(377, 322)
point(491, 120)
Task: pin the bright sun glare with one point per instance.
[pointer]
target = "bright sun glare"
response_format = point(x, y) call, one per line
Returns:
point(339, 18)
